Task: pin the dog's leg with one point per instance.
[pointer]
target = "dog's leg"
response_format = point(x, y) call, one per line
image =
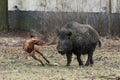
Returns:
point(42, 56)
point(25, 54)
point(37, 59)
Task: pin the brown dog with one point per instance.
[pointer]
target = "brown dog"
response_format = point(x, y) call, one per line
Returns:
point(30, 46)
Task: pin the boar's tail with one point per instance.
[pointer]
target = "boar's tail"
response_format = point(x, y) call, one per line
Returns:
point(99, 43)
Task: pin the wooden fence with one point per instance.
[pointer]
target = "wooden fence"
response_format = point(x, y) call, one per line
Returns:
point(45, 16)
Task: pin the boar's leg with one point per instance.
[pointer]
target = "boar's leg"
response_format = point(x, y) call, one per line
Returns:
point(89, 59)
point(90, 55)
point(79, 59)
point(69, 58)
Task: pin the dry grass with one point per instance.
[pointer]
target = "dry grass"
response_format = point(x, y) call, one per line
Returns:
point(14, 67)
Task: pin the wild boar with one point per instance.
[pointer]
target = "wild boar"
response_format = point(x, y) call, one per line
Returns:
point(78, 39)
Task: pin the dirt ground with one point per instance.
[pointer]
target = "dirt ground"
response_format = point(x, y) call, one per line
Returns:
point(14, 67)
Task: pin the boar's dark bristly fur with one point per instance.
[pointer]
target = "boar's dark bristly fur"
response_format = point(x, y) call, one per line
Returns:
point(78, 39)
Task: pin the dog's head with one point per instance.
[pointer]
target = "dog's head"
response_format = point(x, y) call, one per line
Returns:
point(37, 40)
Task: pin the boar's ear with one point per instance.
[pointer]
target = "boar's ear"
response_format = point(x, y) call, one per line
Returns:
point(57, 31)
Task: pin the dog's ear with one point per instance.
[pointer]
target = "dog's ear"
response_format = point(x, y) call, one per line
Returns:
point(31, 36)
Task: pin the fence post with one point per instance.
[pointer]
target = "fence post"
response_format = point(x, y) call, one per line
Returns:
point(110, 19)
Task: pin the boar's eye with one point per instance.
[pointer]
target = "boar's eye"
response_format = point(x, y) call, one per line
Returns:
point(69, 33)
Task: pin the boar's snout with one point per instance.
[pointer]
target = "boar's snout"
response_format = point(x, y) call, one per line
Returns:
point(60, 50)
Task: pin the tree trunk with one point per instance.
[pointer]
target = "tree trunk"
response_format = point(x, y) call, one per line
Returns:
point(3, 14)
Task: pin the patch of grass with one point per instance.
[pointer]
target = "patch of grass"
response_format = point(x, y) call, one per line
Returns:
point(14, 67)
